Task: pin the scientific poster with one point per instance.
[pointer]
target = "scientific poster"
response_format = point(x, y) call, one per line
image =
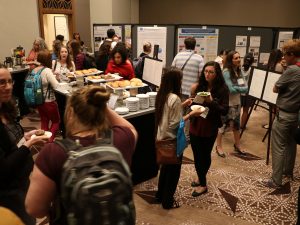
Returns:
point(154, 35)
point(283, 37)
point(128, 34)
point(264, 58)
point(254, 41)
point(241, 41)
point(206, 41)
point(241, 50)
point(257, 83)
point(269, 95)
point(100, 34)
point(254, 51)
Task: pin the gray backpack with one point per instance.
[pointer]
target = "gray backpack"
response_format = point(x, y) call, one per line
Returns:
point(96, 187)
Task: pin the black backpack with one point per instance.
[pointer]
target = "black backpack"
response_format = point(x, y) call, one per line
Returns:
point(96, 187)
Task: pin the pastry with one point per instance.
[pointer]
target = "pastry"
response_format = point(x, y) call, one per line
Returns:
point(39, 132)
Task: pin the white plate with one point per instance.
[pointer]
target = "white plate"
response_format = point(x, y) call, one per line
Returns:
point(102, 80)
point(127, 87)
point(122, 110)
point(48, 134)
point(196, 107)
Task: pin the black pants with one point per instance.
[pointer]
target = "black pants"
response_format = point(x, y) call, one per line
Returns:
point(167, 183)
point(202, 147)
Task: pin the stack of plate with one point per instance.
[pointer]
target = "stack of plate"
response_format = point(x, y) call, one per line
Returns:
point(122, 110)
point(144, 101)
point(152, 97)
point(132, 103)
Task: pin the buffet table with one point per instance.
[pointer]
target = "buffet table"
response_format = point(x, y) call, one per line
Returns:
point(143, 165)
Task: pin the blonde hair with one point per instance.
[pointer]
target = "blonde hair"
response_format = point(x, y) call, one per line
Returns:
point(89, 105)
point(292, 46)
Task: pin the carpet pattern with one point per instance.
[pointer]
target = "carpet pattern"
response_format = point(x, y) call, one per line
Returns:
point(235, 194)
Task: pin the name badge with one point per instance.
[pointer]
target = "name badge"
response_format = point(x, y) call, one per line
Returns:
point(21, 142)
point(241, 82)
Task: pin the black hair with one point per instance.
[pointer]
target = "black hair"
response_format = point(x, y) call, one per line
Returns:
point(190, 43)
point(120, 48)
point(60, 37)
point(248, 61)
point(110, 33)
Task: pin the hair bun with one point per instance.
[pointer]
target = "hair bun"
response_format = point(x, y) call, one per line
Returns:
point(97, 96)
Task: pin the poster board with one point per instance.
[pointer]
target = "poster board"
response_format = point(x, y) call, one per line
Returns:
point(257, 83)
point(206, 41)
point(156, 36)
point(153, 71)
point(100, 33)
point(284, 36)
point(269, 95)
point(61, 27)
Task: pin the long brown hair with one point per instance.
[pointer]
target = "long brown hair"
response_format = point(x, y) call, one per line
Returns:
point(229, 65)
point(89, 106)
point(68, 60)
point(170, 83)
point(44, 58)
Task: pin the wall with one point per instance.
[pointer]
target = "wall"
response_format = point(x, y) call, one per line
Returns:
point(19, 25)
point(83, 21)
point(269, 13)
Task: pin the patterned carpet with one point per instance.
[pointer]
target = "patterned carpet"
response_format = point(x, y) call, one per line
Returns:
point(236, 195)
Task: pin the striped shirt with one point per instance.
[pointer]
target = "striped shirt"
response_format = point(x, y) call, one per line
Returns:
point(191, 70)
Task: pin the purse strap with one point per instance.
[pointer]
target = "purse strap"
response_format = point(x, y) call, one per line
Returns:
point(182, 68)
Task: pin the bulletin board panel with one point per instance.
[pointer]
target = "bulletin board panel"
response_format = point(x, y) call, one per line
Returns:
point(153, 71)
point(269, 95)
point(257, 83)
point(170, 42)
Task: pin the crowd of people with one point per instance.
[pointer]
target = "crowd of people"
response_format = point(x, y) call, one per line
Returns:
point(87, 117)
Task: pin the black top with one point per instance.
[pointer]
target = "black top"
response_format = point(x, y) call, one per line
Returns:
point(15, 163)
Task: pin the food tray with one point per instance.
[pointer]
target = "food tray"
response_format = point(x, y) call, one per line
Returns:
point(88, 74)
point(126, 87)
point(102, 80)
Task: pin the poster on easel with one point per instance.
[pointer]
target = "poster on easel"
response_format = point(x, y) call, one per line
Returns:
point(269, 95)
point(156, 36)
point(153, 71)
point(257, 83)
point(100, 33)
point(206, 41)
point(283, 37)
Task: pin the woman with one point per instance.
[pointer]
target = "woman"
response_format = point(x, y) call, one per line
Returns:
point(63, 65)
point(15, 156)
point(103, 56)
point(275, 61)
point(78, 56)
point(87, 117)
point(168, 112)
point(236, 84)
point(203, 131)
point(38, 45)
point(49, 110)
point(119, 62)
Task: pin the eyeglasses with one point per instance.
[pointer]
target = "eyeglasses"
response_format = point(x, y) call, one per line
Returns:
point(210, 72)
point(4, 82)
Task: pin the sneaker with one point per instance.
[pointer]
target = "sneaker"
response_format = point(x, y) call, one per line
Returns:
point(270, 184)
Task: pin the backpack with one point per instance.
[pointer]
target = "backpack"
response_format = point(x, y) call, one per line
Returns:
point(96, 187)
point(33, 89)
point(138, 66)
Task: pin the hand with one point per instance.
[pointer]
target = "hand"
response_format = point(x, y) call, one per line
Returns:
point(28, 135)
point(38, 139)
point(196, 112)
point(187, 102)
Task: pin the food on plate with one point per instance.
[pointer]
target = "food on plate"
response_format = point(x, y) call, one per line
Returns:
point(96, 77)
point(203, 93)
point(39, 132)
point(92, 70)
point(123, 83)
point(107, 77)
point(78, 72)
point(136, 82)
point(85, 71)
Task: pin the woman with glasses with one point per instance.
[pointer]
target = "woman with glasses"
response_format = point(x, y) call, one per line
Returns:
point(204, 129)
point(236, 84)
point(15, 156)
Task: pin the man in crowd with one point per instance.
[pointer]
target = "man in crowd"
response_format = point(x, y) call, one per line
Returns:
point(191, 65)
point(286, 121)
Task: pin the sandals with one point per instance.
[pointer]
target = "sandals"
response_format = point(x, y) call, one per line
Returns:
point(238, 150)
point(220, 154)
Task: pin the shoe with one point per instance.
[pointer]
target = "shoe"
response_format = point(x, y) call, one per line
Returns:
point(174, 205)
point(238, 150)
point(270, 184)
point(220, 154)
point(196, 194)
point(195, 184)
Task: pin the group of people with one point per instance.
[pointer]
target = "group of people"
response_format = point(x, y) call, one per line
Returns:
point(223, 107)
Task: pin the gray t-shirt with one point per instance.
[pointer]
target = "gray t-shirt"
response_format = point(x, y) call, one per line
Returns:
point(289, 90)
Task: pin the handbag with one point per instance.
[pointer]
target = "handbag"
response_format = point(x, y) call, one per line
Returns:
point(181, 139)
point(166, 152)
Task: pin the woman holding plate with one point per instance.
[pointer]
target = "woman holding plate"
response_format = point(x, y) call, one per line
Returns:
point(204, 128)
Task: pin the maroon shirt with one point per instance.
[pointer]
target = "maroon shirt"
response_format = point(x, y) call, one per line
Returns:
point(52, 157)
